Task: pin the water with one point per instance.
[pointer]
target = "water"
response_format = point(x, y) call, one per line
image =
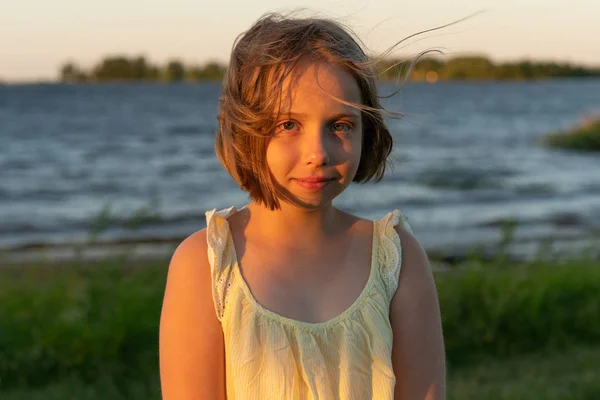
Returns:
point(467, 158)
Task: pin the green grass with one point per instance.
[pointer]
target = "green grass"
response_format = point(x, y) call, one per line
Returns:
point(558, 376)
point(585, 137)
point(87, 320)
point(569, 375)
point(506, 310)
point(73, 388)
point(90, 330)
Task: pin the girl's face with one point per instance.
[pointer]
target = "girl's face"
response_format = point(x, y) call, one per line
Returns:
point(314, 153)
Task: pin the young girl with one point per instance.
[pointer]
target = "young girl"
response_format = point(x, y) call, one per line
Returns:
point(290, 297)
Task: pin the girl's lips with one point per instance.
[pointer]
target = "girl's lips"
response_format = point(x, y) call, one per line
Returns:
point(313, 183)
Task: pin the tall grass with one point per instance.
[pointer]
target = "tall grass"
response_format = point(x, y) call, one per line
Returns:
point(101, 320)
point(92, 320)
point(508, 311)
point(585, 136)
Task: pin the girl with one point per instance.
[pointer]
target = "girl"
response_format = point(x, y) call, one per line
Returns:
point(290, 297)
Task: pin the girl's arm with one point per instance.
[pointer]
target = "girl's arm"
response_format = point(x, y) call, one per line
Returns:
point(418, 355)
point(192, 355)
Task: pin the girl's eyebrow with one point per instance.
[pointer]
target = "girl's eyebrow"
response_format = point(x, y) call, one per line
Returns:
point(333, 117)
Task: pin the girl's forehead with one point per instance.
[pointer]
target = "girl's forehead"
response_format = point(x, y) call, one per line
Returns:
point(319, 84)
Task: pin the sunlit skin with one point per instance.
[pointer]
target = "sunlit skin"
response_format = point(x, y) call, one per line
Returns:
point(314, 152)
point(315, 149)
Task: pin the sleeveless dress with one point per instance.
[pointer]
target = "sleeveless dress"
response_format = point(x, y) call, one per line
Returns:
point(269, 356)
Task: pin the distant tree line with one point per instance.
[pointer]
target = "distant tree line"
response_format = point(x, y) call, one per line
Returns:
point(482, 68)
point(121, 68)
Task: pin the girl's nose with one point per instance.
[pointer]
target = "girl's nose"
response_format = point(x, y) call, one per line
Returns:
point(316, 152)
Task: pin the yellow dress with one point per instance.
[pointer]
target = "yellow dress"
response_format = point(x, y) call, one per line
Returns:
point(269, 356)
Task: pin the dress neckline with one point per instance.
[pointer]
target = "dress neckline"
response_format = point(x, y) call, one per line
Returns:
point(304, 325)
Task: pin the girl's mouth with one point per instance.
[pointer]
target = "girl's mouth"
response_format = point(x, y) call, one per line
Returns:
point(313, 183)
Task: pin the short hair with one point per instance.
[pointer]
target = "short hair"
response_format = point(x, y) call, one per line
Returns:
point(261, 59)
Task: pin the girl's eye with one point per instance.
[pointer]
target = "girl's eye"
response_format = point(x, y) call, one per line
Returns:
point(288, 125)
point(341, 127)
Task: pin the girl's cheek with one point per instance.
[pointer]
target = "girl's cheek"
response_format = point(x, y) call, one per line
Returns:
point(354, 143)
point(280, 149)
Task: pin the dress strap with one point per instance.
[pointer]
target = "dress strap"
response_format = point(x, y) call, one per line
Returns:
point(390, 249)
point(221, 256)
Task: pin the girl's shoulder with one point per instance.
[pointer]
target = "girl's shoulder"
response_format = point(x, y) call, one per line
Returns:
point(217, 226)
point(395, 215)
point(395, 228)
point(219, 215)
point(397, 248)
point(396, 219)
point(199, 241)
point(393, 221)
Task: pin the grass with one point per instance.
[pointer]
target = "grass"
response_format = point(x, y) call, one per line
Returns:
point(570, 375)
point(502, 310)
point(73, 388)
point(89, 330)
point(584, 137)
point(89, 320)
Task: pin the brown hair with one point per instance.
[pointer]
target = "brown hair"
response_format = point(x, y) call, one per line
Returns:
point(260, 61)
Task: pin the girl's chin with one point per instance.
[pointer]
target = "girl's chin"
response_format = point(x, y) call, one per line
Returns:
point(314, 201)
point(310, 196)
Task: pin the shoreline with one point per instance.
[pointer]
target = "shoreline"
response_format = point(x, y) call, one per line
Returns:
point(442, 257)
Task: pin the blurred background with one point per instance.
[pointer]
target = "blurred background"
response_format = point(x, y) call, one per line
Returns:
point(107, 120)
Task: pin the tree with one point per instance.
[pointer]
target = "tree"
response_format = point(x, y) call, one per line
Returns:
point(175, 71)
point(71, 73)
point(473, 67)
point(121, 68)
point(114, 68)
point(213, 70)
point(140, 68)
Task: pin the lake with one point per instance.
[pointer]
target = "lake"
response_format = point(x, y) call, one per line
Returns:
point(467, 159)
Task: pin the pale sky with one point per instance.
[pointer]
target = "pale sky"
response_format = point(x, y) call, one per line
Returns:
point(38, 36)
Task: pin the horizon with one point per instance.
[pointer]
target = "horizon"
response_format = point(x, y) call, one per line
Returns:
point(443, 58)
point(36, 38)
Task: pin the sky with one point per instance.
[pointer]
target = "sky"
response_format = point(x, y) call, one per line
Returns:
point(38, 36)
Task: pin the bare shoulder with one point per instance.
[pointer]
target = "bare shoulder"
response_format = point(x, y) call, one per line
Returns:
point(416, 284)
point(414, 256)
point(191, 338)
point(193, 246)
point(189, 267)
point(418, 351)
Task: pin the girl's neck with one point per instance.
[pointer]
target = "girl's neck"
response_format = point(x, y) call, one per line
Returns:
point(295, 224)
